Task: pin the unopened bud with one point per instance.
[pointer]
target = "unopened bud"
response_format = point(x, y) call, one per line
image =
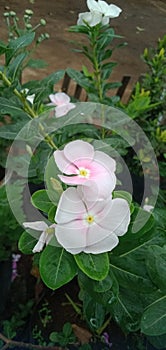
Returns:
point(28, 12)
point(42, 22)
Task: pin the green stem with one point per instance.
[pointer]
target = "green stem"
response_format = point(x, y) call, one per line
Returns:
point(74, 305)
point(29, 110)
point(101, 329)
point(96, 65)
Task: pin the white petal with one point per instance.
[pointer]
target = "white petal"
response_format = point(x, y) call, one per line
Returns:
point(116, 217)
point(40, 244)
point(63, 163)
point(113, 11)
point(93, 5)
point(37, 225)
point(72, 236)
point(106, 245)
point(70, 207)
point(61, 98)
point(105, 20)
point(76, 150)
point(84, 16)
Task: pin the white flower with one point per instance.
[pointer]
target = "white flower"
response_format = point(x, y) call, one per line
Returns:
point(87, 226)
point(111, 11)
point(30, 98)
point(100, 12)
point(46, 235)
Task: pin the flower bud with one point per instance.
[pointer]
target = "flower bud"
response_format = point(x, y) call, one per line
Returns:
point(12, 13)
point(28, 12)
point(42, 22)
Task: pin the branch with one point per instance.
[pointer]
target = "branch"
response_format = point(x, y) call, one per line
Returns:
point(10, 342)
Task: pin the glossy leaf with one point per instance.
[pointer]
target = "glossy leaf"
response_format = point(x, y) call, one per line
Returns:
point(94, 266)
point(40, 199)
point(57, 267)
point(26, 243)
point(153, 320)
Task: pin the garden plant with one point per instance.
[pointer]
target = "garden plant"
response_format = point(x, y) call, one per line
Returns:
point(84, 222)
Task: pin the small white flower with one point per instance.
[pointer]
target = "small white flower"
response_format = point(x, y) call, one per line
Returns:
point(148, 207)
point(30, 98)
point(47, 233)
point(100, 12)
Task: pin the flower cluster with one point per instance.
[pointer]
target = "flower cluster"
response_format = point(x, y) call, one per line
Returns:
point(99, 12)
point(87, 219)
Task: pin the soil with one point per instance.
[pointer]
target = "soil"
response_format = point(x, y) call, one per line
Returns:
point(141, 23)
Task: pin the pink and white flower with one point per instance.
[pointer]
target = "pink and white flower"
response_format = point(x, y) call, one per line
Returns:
point(62, 103)
point(82, 165)
point(47, 233)
point(83, 226)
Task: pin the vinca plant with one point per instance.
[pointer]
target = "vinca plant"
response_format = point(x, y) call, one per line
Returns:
point(84, 222)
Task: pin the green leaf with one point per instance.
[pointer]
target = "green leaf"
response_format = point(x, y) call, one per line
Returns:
point(94, 266)
point(15, 66)
point(36, 63)
point(40, 199)
point(3, 47)
point(57, 267)
point(26, 243)
point(156, 266)
point(153, 320)
point(9, 107)
point(16, 44)
point(123, 194)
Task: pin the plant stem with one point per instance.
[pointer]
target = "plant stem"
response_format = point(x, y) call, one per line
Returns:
point(29, 110)
point(96, 65)
point(12, 343)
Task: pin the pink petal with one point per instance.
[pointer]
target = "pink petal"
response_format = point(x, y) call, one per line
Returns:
point(61, 98)
point(70, 207)
point(37, 225)
point(63, 163)
point(72, 180)
point(62, 110)
point(106, 161)
point(76, 150)
point(116, 217)
point(104, 245)
point(72, 236)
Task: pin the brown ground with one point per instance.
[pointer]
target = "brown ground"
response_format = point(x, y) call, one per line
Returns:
point(141, 23)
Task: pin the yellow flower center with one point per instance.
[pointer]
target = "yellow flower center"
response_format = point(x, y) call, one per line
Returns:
point(50, 230)
point(83, 172)
point(90, 219)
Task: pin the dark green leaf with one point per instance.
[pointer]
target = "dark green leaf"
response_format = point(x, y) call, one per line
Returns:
point(16, 44)
point(57, 267)
point(40, 199)
point(26, 243)
point(153, 320)
point(94, 266)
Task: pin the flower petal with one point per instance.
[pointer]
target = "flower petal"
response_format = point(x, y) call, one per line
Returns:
point(70, 207)
point(105, 245)
point(40, 244)
point(63, 163)
point(62, 110)
point(106, 161)
point(36, 225)
point(116, 217)
point(93, 5)
point(60, 98)
point(72, 236)
point(76, 150)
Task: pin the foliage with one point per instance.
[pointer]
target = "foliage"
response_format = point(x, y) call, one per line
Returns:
point(98, 51)
point(127, 282)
